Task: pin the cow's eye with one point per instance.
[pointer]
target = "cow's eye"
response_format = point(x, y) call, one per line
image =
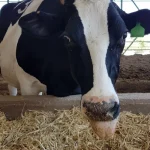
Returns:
point(124, 35)
point(122, 40)
point(68, 42)
point(67, 39)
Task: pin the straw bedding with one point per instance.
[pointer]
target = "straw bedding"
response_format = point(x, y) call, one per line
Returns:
point(69, 130)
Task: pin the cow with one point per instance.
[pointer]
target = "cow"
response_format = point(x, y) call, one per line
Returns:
point(68, 47)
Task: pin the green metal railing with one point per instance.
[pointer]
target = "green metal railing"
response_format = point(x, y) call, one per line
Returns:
point(135, 39)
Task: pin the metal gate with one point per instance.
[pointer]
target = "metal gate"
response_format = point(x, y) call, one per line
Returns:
point(135, 45)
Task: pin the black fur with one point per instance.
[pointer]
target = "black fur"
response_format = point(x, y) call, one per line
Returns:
point(64, 65)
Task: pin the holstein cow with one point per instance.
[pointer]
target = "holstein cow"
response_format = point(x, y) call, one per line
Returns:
point(67, 47)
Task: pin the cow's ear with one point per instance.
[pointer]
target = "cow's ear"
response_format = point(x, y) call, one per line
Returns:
point(32, 25)
point(140, 16)
point(40, 24)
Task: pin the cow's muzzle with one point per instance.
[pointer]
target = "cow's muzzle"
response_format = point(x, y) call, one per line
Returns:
point(102, 113)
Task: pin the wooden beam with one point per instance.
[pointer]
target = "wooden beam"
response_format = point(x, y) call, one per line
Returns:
point(13, 106)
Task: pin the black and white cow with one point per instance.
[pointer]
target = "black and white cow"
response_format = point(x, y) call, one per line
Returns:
point(67, 47)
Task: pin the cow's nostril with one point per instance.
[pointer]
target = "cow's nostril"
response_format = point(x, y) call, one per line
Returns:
point(101, 111)
point(115, 110)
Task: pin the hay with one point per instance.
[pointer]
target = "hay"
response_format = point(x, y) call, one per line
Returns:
point(68, 130)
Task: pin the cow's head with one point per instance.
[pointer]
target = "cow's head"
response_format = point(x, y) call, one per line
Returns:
point(95, 37)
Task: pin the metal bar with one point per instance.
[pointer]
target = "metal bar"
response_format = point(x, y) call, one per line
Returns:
point(135, 4)
point(136, 37)
point(138, 49)
point(121, 4)
point(129, 46)
point(15, 106)
point(140, 41)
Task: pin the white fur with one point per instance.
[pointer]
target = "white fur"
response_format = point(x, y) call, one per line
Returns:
point(93, 14)
point(21, 11)
point(18, 4)
point(10, 69)
point(105, 129)
point(12, 90)
point(40, 93)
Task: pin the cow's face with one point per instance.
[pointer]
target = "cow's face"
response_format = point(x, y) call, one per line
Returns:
point(95, 36)
point(117, 35)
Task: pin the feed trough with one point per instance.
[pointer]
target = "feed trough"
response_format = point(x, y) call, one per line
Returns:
point(13, 107)
point(65, 127)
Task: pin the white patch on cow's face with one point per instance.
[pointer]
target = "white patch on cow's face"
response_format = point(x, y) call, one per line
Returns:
point(26, 5)
point(93, 14)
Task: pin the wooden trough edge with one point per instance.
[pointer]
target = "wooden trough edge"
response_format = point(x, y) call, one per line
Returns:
point(14, 107)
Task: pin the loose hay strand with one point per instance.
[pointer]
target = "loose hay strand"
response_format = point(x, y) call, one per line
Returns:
point(69, 130)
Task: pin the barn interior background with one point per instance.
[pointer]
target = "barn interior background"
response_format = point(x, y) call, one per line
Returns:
point(135, 61)
point(133, 45)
